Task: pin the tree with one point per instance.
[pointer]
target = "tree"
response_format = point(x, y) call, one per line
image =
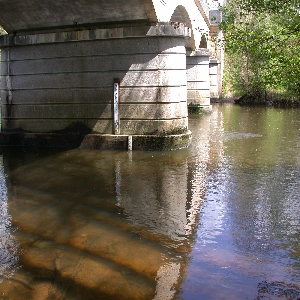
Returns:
point(262, 47)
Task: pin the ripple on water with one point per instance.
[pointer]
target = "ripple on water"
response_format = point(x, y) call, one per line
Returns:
point(239, 135)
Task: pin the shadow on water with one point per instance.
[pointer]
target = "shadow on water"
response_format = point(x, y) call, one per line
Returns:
point(16, 157)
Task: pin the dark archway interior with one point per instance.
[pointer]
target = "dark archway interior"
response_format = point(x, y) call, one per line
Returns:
point(203, 41)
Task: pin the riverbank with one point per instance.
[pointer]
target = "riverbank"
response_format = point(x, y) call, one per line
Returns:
point(250, 101)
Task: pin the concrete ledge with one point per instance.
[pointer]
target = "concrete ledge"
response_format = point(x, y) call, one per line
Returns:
point(97, 141)
point(139, 142)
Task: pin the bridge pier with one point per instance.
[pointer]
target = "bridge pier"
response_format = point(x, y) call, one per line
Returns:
point(61, 84)
point(198, 83)
point(215, 74)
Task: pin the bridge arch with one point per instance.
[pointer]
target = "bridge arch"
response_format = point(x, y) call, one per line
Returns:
point(185, 11)
point(181, 15)
point(37, 16)
point(27, 16)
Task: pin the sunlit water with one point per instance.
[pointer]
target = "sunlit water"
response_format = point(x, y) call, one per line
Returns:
point(219, 220)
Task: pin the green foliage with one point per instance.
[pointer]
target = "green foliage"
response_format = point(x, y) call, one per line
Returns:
point(262, 41)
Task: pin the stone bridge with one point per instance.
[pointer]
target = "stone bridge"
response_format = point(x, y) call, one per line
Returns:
point(99, 74)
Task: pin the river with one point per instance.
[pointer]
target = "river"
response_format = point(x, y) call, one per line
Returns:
point(219, 220)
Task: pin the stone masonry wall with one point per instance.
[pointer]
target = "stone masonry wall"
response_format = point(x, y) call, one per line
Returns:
point(198, 85)
point(63, 81)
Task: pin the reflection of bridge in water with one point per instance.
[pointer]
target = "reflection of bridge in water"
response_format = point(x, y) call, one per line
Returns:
point(98, 226)
point(8, 245)
point(60, 61)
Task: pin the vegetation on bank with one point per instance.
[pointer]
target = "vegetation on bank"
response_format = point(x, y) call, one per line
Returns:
point(262, 50)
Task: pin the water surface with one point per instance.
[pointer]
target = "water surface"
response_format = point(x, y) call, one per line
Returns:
point(219, 220)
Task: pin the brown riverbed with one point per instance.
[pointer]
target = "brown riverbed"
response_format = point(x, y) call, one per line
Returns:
point(219, 220)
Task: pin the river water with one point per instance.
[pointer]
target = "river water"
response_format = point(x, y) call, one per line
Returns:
point(219, 220)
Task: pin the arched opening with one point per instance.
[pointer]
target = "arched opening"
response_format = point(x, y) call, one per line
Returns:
point(181, 15)
point(203, 41)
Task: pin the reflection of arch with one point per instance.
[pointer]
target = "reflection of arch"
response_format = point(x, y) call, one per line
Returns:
point(181, 15)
